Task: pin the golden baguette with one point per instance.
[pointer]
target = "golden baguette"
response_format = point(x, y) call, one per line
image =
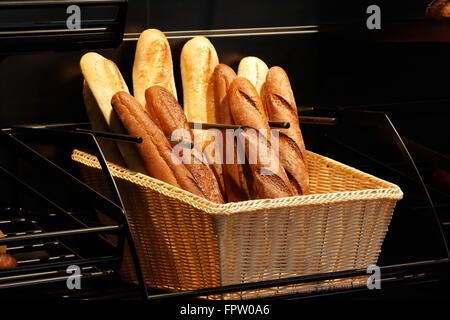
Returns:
point(98, 123)
point(254, 70)
point(152, 64)
point(197, 62)
point(104, 80)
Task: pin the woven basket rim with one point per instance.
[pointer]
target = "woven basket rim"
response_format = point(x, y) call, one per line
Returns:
point(387, 190)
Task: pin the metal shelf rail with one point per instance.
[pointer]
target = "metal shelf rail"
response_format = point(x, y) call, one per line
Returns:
point(40, 25)
point(44, 270)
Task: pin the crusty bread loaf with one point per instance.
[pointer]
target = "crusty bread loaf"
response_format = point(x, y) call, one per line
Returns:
point(168, 115)
point(439, 9)
point(236, 178)
point(270, 179)
point(2, 248)
point(104, 80)
point(152, 64)
point(155, 150)
point(278, 99)
point(7, 261)
point(222, 78)
point(254, 69)
point(98, 123)
point(197, 62)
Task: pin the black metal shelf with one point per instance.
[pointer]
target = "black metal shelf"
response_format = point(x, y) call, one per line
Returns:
point(420, 270)
point(42, 25)
point(46, 241)
point(42, 260)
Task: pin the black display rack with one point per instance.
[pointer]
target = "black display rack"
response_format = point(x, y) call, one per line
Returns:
point(31, 233)
point(79, 135)
point(43, 25)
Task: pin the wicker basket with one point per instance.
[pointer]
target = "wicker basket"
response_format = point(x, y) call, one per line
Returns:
point(185, 242)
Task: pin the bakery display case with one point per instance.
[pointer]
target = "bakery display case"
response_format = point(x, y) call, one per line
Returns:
point(372, 106)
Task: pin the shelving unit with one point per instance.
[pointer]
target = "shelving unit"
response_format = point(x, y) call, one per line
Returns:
point(399, 274)
point(42, 25)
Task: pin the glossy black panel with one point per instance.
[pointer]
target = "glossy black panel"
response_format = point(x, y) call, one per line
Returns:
point(217, 14)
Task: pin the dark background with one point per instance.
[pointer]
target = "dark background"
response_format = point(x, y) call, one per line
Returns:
point(205, 14)
point(328, 68)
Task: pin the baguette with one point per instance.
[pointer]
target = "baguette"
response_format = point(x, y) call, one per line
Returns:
point(98, 123)
point(7, 261)
point(152, 64)
point(237, 177)
point(155, 150)
point(439, 9)
point(197, 62)
point(168, 115)
point(278, 98)
point(2, 248)
point(270, 179)
point(255, 70)
point(104, 80)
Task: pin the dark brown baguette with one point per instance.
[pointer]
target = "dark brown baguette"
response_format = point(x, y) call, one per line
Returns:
point(222, 77)
point(168, 115)
point(439, 9)
point(155, 150)
point(2, 248)
point(7, 261)
point(270, 179)
point(278, 100)
point(237, 177)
